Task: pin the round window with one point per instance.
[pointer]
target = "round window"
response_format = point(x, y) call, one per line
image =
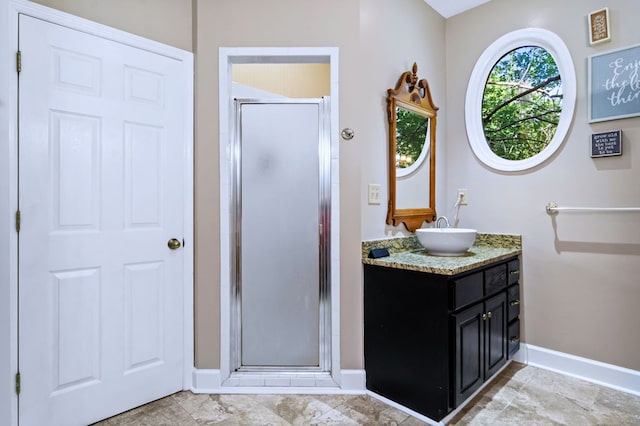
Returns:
point(520, 100)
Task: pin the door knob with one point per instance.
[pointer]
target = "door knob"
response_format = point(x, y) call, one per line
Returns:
point(174, 244)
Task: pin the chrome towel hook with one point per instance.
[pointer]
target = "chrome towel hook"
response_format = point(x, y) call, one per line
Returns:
point(347, 134)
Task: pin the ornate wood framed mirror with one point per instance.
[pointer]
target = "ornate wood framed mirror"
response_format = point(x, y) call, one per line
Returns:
point(412, 152)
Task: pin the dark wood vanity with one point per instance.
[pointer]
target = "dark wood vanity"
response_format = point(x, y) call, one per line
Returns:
point(432, 339)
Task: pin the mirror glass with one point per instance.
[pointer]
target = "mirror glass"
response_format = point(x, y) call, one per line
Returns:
point(412, 163)
point(412, 135)
point(520, 100)
point(412, 126)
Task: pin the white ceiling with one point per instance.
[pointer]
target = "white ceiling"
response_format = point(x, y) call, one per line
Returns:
point(448, 8)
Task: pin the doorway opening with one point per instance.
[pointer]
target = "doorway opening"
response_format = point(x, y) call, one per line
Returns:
point(323, 370)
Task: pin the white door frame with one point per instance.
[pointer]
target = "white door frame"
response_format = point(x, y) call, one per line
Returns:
point(9, 10)
point(227, 57)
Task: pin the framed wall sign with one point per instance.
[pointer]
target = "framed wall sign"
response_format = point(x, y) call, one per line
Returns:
point(614, 86)
point(606, 144)
point(599, 26)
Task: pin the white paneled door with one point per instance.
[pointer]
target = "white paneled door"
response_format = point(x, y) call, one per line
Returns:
point(101, 180)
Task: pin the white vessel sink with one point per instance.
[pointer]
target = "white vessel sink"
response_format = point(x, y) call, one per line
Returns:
point(446, 241)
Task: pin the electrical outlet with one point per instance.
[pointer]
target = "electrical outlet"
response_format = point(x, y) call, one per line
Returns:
point(462, 196)
point(374, 193)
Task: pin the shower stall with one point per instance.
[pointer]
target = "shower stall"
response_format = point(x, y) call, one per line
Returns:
point(280, 220)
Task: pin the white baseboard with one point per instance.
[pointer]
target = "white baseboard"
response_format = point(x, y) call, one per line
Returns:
point(210, 381)
point(353, 380)
point(619, 378)
point(206, 381)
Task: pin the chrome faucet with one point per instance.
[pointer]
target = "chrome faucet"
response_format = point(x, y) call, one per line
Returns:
point(446, 221)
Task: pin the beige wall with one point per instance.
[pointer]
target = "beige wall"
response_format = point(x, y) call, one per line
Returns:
point(374, 51)
point(256, 23)
point(290, 80)
point(580, 271)
point(394, 35)
point(166, 21)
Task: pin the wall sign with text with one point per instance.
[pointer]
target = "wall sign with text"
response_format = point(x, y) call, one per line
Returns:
point(606, 144)
point(614, 84)
point(599, 26)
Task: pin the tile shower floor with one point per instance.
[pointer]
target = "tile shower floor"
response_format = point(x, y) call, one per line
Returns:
point(520, 395)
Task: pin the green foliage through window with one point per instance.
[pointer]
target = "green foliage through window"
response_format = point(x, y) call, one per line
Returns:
point(522, 102)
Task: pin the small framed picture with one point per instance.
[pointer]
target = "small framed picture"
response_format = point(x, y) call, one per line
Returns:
point(599, 26)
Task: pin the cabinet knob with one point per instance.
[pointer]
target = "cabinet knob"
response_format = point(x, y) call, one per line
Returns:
point(489, 314)
point(515, 272)
point(515, 339)
point(515, 302)
point(484, 317)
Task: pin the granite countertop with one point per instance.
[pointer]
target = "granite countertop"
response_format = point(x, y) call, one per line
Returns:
point(407, 253)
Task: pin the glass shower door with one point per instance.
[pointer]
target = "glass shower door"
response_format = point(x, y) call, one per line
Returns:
point(279, 253)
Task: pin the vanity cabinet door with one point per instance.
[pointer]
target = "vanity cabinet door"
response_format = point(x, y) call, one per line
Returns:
point(469, 353)
point(495, 334)
point(481, 344)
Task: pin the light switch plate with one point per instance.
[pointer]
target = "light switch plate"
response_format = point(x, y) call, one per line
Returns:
point(374, 193)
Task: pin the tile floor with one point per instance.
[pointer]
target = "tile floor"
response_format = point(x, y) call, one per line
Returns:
point(520, 395)
point(524, 395)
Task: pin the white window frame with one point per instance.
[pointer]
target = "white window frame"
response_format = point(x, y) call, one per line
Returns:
point(475, 91)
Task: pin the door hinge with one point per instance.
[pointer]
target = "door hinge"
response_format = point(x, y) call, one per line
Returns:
point(18, 220)
point(18, 383)
point(18, 61)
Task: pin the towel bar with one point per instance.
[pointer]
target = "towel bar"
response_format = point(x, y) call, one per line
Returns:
point(552, 208)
